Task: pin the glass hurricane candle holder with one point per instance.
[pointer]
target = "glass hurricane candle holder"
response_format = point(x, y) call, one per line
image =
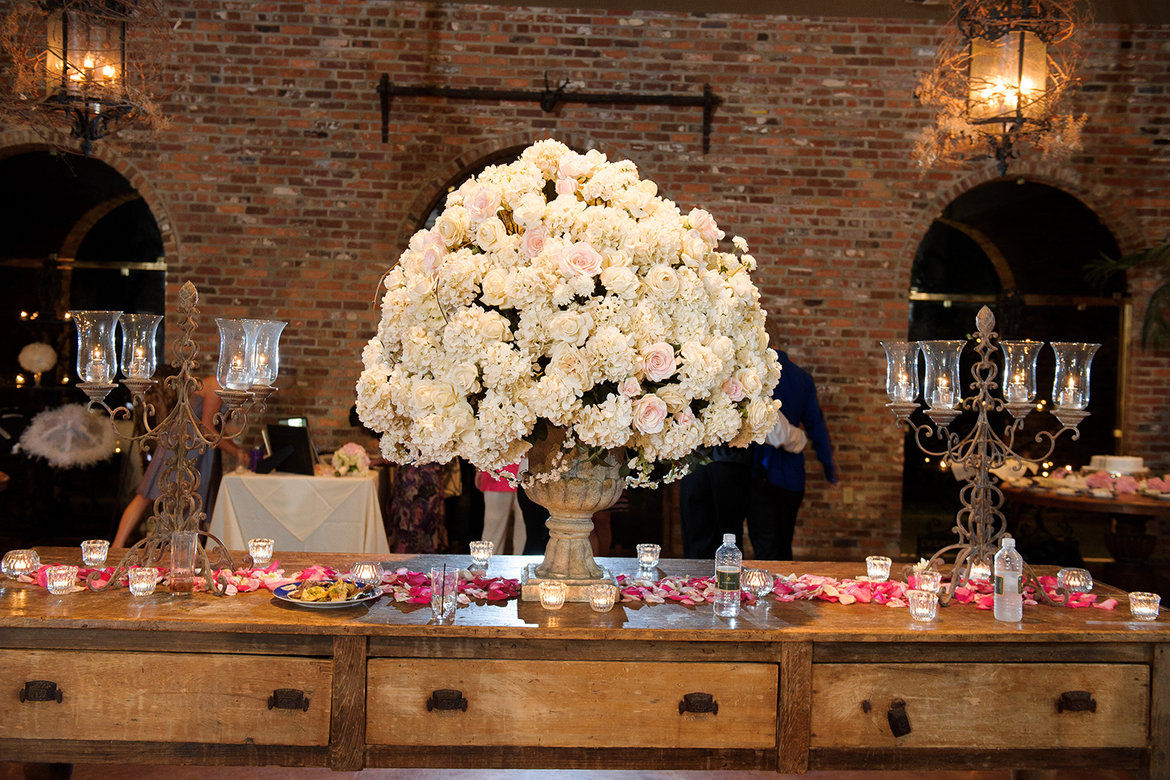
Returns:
point(648, 555)
point(552, 594)
point(757, 582)
point(602, 597)
point(234, 370)
point(923, 605)
point(142, 580)
point(265, 351)
point(901, 371)
point(941, 389)
point(96, 354)
point(1072, 580)
point(1019, 370)
point(877, 568)
point(94, 552)
point(18, 562)
point(138, 345)
point(929, 580)
point(366, 573)
point(1070, 384)
point(1144, 606)
point(60, 579)
point(481, 553)
point(261, 551)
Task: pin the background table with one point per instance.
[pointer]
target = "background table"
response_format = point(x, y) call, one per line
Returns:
point(322, 514)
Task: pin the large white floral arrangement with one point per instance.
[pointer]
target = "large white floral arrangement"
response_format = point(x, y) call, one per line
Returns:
point(561, 290)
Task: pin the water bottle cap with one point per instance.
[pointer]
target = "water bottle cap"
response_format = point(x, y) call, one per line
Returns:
point(1007, 543)
point(729, 538)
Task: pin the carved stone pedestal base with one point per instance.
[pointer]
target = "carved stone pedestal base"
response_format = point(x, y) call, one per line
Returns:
point(575, 589)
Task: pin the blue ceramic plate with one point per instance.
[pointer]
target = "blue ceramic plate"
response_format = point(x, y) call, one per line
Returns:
point(283, 591)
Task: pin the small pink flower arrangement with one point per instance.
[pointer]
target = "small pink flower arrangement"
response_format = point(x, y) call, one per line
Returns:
point(351, 460)
point(1125, 485)
point(1099, 480)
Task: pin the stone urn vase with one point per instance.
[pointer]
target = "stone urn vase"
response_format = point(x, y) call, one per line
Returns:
point(571, 499)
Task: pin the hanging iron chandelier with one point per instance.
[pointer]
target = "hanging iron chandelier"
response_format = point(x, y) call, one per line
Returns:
point(999, 82)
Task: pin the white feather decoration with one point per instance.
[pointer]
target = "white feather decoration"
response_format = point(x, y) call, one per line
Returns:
point(69, 436)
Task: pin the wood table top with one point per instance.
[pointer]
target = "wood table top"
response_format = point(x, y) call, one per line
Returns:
point(1116, 505)
point(26, 606)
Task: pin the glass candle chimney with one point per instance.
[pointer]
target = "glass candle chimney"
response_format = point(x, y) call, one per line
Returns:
point(265, 351)
point(901, 371)
point(942, 389)
point(139, 359)
point(1070, 385)
point(234, 371)
point(1019, 370)
point(97, 357)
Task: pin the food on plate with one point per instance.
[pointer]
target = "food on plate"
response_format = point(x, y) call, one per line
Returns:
point(330, 591)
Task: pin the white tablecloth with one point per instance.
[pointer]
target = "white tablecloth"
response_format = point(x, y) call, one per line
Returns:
point(317, 514)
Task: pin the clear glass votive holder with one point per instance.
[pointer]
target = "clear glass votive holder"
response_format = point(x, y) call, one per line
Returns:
point(444, 593)
point(648, 555)
point(481, 553)
point(366, 573)
point(602, 596)
point(142, 580)
point(1144, 606)
point(18, 562)
point(94, 552)
point(980, 572)
point(552, 594)
point(929, 580)
point(877, 568)
point(1073, 580)
point(61, 579)
point(923, 605)
point(261, 551)
point(757, 582)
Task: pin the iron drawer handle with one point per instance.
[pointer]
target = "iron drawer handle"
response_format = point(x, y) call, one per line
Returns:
point(447, 699)
point(288, 699)
point(898, 719)
point(41, 690)
point(698, 702)
point(1076, 701)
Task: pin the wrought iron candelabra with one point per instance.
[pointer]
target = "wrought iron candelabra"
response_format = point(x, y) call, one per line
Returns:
point(248, 365)
point(980, 523)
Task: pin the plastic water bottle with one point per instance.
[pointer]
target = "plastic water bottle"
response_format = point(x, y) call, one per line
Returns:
point(728, 564)
point(1009, 582)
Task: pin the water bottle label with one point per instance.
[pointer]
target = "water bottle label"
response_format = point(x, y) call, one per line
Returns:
point(727, 580)
point(1013, 585)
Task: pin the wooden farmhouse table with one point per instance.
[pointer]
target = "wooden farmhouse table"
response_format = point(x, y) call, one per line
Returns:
point(250, 680)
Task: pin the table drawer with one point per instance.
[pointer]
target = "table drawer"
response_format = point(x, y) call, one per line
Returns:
point(164, 697)
point(980, 705)
point(570, 704)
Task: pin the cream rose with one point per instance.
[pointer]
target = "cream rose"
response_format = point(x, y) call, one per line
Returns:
point(658, 361)
point(649, 414)
point(570, 327)
point(452, 226)
point(759, 412)
point(491, 235)
point(750, 381)
point(465, 378)
point(663, 280)
point(579, 259)
point(494, 288)
point(620, 281)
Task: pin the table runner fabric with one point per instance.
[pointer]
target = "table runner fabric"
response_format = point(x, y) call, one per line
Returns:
point(301, 513)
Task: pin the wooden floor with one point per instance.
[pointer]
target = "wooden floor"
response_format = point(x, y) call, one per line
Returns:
point(127, 772)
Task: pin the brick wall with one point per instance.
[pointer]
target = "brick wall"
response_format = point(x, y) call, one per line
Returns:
point(277, 197)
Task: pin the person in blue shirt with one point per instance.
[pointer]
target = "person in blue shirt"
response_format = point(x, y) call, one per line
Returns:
point(777, 483)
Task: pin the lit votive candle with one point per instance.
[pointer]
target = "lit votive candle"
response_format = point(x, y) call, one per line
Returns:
point(94, 551)
point(756, 582)
point(481, 553)
point(367, 573)
point(602, 596)
point(1073, 580)
point(552, 594)
point(142, 580)
point(1144, 606)
point(877, 568)
point(18, 562)
point(923, 605)
point(261, 551)
point(648, 555)
point(980, 571)
point(60, 579)
point(928, 580)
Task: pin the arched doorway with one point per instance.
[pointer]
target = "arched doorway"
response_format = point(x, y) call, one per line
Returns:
point(1020, 247)
point(74, 234)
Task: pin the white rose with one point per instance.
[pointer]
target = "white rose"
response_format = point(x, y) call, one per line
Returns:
point(742, 286)
point(570, 327)
point(658, 361)
point(663, 280)
point(494, 288)
point(465, 378)
point(760, 414)
point(649, 414)
point(579, 259)
point(620, 281)
point(750, 381)
point(568, 365)
point(420, 287)
point(694, 246)
point(494, 327)
point(673, 398)
point(491, 235)
point(452, 226)
point(528, 211)
point(573, 165)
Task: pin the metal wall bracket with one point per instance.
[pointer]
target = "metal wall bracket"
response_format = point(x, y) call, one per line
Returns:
point(548, 98)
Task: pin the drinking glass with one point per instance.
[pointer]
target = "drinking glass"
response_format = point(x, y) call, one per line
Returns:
point(648, 555)
point(94, 551)
point(877, 568)
point(444, 593)
point(602, 596)
point(757, 582)
point(142, 580)
point(261, 551)
point(1144, 606)
point(183, 551)
point(481, 553)
point(61, 579)
point(923, 605)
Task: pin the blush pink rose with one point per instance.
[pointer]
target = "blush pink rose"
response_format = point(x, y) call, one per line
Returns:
point(483, 203)
point(733, 389)
point(629, 387)
point(533, 241)
point(649, 414)
point(658, 361)
point(1125, 485)
point(703, 222)
point(685, 417)
point(566, 186)
point(579, 259)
